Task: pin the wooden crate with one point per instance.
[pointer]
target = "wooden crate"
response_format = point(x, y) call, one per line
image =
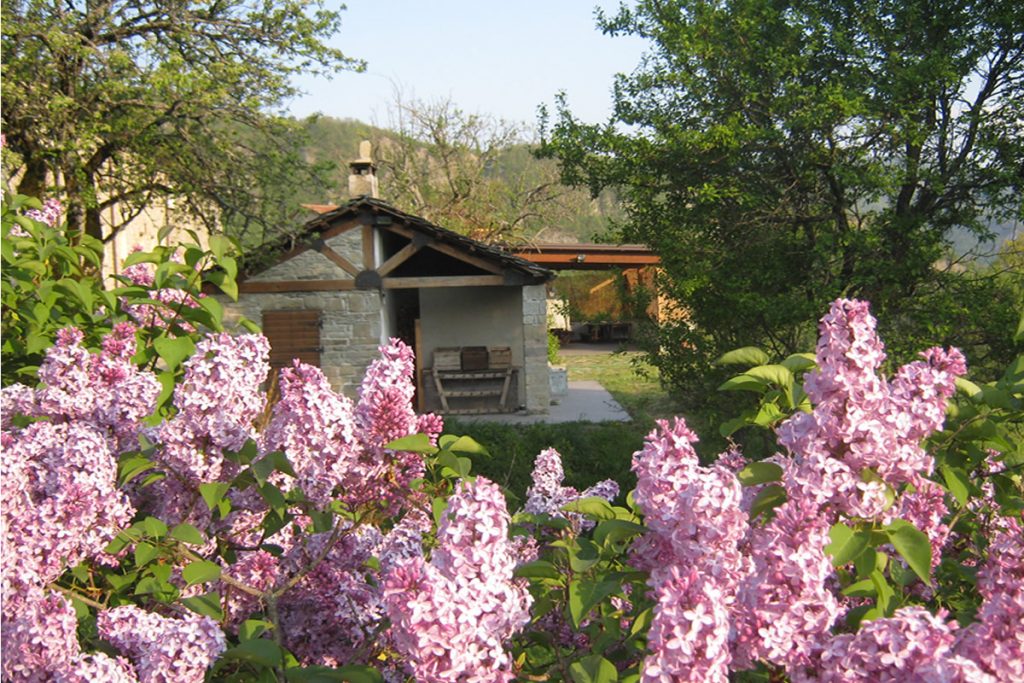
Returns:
point(474, 358)
point(500, 357)
point(447, 358)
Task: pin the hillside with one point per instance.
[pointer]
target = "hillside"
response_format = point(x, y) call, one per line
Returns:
point(460, 178)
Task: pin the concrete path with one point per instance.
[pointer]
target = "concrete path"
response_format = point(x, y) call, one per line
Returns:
point(587, 401)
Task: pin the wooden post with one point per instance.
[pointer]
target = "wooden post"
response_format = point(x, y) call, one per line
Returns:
point(421, 399)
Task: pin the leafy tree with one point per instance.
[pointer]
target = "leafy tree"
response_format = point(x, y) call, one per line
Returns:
point(474, 173)
point(777, 155)
point(113, 105)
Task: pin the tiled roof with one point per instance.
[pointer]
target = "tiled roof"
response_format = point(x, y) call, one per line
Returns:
point(332, 214)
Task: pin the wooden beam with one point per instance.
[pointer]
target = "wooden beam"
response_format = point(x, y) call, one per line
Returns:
point(398, 259)
point(296, 286)
point(443, 281)
point(369, 261)
point(590, 260)
point(481, 263)
point(336, 258)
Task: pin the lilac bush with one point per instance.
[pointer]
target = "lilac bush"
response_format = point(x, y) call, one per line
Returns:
point(168, 519)
point(778, 590)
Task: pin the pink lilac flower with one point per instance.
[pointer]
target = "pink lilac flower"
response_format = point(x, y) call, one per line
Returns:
point(996, 640)
point(105, 390)
point(219, 400)
point(451, 616)
point(692, 512)
point(98, 667)
point(912, 645)
point(547, 495)
point(163, 649)
point(695, 525)
point(167, 302)
point(690, 631)
point(861, 422)
point(49, 213)
point(784, 609)
point(62, 504)
point(315, 427)
point(39, 636)
point(332, 614)
point(384, 413)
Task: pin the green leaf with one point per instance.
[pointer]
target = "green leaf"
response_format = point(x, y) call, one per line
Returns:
point(592, 506)
point(186, 533)
point(957, 483)
point(593, 669)
point(847, 544)
point(200, 571)
point(759, 473)
point(585, 594)
point(886, 601)
point(225, 283)
point(261, 651)
point(743, 383)
point(213, 493)
point(642, 623)
point(864, 588)
point(219, 245)
point(901, 575)
point(583, 554)
point(145, 553)
point(414, 443)
point(252, 629)
point(275, 461)
point(131, 466)
point(748, 355)
point(798, 362)
point(729, 427)
point(141, 257)
point(167, 384)
point(274, 498)
point(173, 351)
point(778, 375)
point(216, 311)
point(912, 544)
point(468, 446)
point(154, 527)
point(207, 604)
point(968, 388)
point(616, 531)
point(768, 498)
point(538, 569)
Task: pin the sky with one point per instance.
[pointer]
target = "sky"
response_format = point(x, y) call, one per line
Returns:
point(497, 58)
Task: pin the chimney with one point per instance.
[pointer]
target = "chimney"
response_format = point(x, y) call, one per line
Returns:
point(362, 178)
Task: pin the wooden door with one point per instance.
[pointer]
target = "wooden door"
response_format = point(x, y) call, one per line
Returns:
point(293, 334)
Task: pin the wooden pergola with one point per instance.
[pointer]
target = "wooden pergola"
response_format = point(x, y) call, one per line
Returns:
point(589, 256)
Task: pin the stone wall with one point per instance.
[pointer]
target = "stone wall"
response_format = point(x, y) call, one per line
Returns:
point(312, 265)
point(535, 349)
point(350, 332)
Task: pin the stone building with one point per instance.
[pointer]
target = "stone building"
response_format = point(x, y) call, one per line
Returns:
point(365, 271)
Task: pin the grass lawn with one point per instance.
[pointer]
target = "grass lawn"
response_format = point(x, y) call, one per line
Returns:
point(590, 451)
point(631, 381)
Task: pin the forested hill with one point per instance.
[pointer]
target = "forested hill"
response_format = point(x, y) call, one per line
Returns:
point(472, 174)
